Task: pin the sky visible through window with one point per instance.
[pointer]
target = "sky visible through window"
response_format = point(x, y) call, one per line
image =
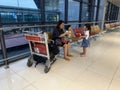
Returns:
point(19, 3)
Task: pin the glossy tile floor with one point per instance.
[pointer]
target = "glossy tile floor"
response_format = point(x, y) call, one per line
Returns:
point(99, 70)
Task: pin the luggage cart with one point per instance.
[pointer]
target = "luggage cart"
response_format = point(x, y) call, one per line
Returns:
point(38, 44)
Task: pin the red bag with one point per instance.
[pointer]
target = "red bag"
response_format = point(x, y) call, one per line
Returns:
point(64, 41)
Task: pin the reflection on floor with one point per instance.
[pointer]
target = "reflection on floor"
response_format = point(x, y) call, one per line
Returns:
point(100, 70)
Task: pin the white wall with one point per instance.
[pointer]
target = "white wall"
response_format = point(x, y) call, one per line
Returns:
point(19, 3)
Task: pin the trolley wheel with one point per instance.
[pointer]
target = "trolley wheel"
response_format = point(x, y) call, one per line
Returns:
point(46, 70)
point(29, 63)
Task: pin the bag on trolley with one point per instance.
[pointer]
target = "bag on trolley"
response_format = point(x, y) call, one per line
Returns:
point(53, 51)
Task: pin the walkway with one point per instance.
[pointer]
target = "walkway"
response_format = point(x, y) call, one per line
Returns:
point(100, 70)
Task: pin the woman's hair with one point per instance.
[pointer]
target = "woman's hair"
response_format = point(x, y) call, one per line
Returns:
point(67, 27)
point(59, 23)
point(88, 26)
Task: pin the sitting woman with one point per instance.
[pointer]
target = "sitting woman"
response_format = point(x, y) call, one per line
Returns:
point(59, 38)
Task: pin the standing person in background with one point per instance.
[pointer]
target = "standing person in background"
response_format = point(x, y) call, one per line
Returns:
point(59, 38)
point(86, 41)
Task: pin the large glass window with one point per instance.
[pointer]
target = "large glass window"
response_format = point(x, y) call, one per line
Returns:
point(96, 2)
point(57, 6)
point(85, 12)
point(86, 1)
point(62, 9)
point(8, 17)
point(111, 11)
point(26, 3)
point(19, 3)
point(73, 10)
point(20, 16)
point(50, 6)
point(51, 17)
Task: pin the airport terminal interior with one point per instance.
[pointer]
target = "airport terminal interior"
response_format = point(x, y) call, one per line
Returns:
point(31, 59)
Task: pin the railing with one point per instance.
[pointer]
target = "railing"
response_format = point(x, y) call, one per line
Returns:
point(35, 28)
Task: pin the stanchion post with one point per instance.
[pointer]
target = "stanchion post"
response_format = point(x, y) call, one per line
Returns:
point(3, 46)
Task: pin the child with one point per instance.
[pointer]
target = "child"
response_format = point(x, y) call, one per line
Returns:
point(69, 31)
point(85, 42)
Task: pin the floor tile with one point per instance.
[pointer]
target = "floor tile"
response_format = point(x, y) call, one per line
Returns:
point(30, 87)
point(52, 82)
point(19, 66)
point(4, 73)
point(93, 81)
point(13, 82)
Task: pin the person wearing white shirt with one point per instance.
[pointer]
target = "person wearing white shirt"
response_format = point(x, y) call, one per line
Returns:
point(85, 41)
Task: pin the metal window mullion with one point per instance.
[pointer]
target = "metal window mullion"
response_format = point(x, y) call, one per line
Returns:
point(80, 13)
point(66, 11)
point(98, 7)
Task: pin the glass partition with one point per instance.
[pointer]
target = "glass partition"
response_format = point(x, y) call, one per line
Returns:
point(85, 12)
point(73, 10)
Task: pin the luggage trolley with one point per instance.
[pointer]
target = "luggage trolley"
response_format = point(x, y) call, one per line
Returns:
point(38, 44)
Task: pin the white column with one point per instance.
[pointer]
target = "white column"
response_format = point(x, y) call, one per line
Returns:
point(102, 11)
